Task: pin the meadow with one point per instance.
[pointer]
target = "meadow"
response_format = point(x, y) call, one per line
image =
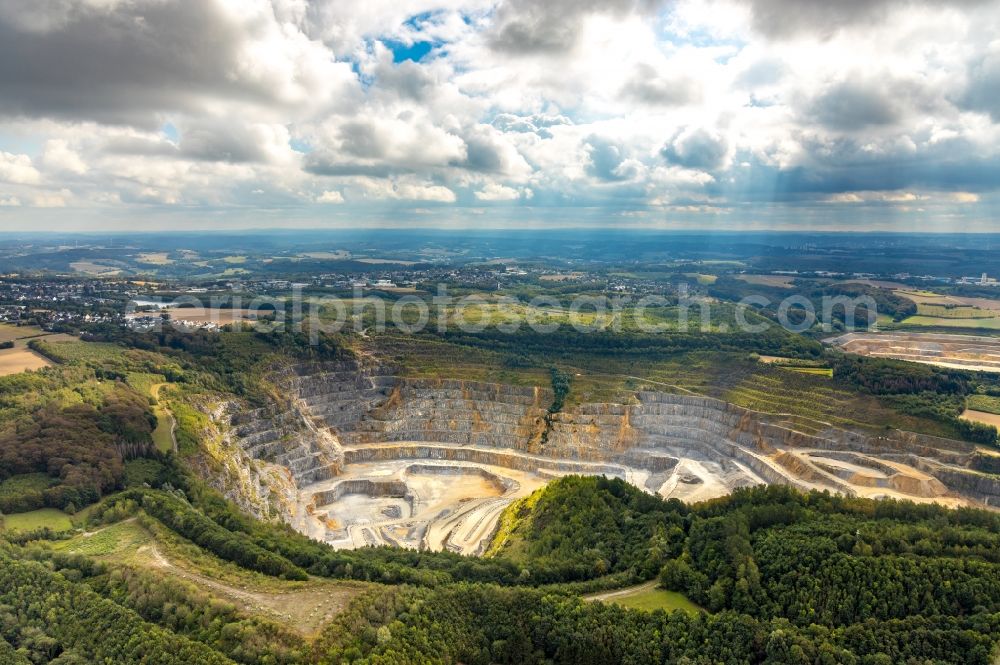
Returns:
point(43, 518)
point(649, 597)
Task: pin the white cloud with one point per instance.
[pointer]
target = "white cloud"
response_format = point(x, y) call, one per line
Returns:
point(58, 156)
point(51, 199)
point(619, 105)
point(17, 169)
point(412, 191)
point(330, 196)
point(497, 192)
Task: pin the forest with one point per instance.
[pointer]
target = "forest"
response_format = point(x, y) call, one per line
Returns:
point(782, 577)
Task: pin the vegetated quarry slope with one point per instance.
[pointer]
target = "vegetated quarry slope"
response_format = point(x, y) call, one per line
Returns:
point(354, 454)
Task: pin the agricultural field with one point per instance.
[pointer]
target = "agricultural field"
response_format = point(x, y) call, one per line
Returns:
point(95, 269)
point(11, 333)
point(982, 417)
point(946, 311)
point(780, 281)
point(919, 321)
point(17, 360)
point(155, 258)
point(80, 351)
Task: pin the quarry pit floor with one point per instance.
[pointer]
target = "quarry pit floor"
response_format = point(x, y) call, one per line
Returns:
point(442, 504)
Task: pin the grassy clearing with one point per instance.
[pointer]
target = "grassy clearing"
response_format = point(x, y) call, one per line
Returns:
point(656, 599)
point(144, 382)
point(50, 518)
point(817, 371)
point(984, 403)
point(142, 471)
point(117, 540)
point(701, 278)
point(163, 436)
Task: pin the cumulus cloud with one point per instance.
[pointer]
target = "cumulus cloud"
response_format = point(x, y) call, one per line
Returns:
point(785, 18)
point(983, 93)
point(687, 105)
point(647, 85)
point(223, 140)
point(697, 148)
point(127, 62)
point(59, 156)
point(17, 169)
point(496, 192)
point(330, 196)
point(405, 190)
point(529, 27)
point(609, 161)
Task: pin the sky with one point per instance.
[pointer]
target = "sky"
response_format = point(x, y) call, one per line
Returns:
point(706, 114)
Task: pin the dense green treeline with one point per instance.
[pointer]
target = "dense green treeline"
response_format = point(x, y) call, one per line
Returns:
point(885, 301)
point(583, 528)
point(73, 427)
point(181, 608)
point(918, 390)
point(482, 624)
point(48, 618)
point(787, 578)
point(567, 339)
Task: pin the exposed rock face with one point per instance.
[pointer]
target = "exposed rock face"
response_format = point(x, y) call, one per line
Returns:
point(343, 416)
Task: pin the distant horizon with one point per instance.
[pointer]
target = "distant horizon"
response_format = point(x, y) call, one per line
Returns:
point(263, 231)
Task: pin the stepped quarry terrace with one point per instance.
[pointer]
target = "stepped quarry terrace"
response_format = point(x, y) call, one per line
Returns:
point(360, 455)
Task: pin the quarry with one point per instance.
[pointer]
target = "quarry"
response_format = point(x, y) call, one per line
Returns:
point(971, 352)
point(355, 454)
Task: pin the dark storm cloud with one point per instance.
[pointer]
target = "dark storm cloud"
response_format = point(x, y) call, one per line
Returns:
point(858, 103)
point(483, 155)
point(696, 149)
point(552, 26)
point(851, 105)
point(329, 164)
point(362, 139)
point(407, 80)
point(847, 165)
point(784, 18)
point(222, 141)
point(983, 93)
point(119, 65)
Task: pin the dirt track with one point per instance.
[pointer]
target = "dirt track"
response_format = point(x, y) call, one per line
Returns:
point(305, 610)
